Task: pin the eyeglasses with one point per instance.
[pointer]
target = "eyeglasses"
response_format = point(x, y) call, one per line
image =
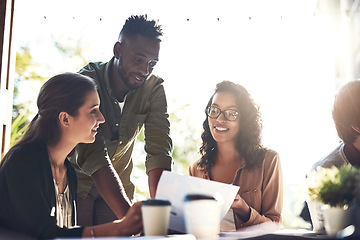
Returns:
point(229, 114)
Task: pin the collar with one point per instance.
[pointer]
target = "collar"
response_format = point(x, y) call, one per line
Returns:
point(352, 154)
point(108, 68)
point(207, 174)
point(107, 75)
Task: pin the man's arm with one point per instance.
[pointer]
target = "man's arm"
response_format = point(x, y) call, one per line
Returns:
point(111, 190)
point(158, 144)
point(153, 179)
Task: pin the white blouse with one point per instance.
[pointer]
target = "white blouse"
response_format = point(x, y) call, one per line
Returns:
point(63, 207)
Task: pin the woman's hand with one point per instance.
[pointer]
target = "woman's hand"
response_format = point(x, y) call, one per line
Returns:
point(131, 224)
point(241, 208)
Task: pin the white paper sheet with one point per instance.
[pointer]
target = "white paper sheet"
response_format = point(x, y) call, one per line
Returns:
point(174, 187)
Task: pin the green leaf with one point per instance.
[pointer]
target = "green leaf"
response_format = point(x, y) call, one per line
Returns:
point(334, 186)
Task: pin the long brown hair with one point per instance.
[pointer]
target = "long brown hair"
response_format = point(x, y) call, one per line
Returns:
point(62, 93)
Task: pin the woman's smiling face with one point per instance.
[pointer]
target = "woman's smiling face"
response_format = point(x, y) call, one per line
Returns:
point(221, 128)
point(86, 123)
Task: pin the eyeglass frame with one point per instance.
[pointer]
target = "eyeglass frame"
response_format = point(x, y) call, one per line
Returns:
point(221, 112)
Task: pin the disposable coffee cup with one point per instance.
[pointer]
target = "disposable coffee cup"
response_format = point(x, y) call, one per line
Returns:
point(202, 216)
point(155, 215)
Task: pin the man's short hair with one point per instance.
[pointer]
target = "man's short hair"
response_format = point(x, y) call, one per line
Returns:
point(140, 25)
point(346, 111)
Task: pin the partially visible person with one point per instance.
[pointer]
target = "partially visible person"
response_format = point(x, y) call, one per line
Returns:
point(131, 98)
point(232, 153)
point(37, 183)
point(346, 115)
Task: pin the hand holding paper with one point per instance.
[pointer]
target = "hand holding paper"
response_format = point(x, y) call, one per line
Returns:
point(174, 187)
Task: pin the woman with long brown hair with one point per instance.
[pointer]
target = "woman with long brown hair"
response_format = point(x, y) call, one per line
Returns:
point(37, 183)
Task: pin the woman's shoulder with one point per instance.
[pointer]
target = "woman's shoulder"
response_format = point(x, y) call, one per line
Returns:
point(271, 157)
point(271, 153)
point(34, 148)
point(195, 169)
point(22, 154)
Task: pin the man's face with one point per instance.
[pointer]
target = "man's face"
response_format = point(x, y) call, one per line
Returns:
point(137, 57)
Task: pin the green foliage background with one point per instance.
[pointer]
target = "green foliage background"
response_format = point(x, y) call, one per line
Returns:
point(25, 70)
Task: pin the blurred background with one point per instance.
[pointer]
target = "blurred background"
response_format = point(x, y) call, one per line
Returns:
point(291, 55)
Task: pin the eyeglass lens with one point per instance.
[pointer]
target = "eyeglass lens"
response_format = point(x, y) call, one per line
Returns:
point(229, 114)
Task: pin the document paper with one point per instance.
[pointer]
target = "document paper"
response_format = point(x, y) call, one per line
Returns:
point(174, 187)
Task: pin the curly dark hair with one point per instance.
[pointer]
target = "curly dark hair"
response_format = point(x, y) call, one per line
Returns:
point(140, 25)
point(249, 137)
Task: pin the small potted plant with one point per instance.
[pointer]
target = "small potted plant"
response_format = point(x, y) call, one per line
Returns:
point(336, 190)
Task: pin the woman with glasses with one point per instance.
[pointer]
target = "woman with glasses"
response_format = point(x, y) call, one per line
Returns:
point(232, 153)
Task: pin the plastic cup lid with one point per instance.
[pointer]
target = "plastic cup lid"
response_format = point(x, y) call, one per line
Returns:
point(192, 197)
point(155, 202)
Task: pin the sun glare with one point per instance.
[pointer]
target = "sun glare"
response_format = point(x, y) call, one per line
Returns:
point(284, 52)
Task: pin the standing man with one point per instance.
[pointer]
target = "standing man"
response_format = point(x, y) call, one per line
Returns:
point(130, 98)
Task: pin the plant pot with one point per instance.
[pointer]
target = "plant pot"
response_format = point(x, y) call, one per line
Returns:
point(336, 218)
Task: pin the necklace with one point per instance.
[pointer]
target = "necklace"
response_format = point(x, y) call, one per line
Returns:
point(61, 181)
point(61, 193)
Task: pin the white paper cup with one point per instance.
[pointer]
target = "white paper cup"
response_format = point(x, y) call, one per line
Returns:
point(202, 216)
point(155, 215)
